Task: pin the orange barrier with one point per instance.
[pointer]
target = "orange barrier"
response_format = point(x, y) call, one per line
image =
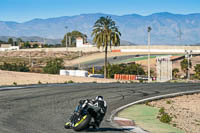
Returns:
point(124, 77)
point(115, 76)
point(116, 50)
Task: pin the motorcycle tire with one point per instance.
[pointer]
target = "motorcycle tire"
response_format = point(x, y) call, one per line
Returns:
point(67, 125)
point(82, 124)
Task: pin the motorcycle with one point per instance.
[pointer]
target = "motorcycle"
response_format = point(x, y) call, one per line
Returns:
point(82, 119)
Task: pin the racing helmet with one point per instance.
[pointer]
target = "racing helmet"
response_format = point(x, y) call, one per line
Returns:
point(100, 98)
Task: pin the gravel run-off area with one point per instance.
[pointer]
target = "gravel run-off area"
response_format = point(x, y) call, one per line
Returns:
point(184, 110)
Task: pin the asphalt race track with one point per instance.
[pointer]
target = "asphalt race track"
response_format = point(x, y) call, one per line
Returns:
point(111, 60)
point(46, 109)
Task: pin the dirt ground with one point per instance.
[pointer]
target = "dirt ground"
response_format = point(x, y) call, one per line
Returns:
point(21, 78)
point(184, 111)
point(44, 54)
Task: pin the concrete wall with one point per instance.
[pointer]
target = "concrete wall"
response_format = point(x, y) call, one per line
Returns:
point(172, 49)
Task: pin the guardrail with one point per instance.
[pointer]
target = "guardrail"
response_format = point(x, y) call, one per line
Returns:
point(154, 50)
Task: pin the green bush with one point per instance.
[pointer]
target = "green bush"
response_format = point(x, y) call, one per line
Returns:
point(21, 67)
point(175, 72)
point(174, 125)
point(14, 83)
point(141, 80)
point(165, 118)
point(53, 66)
point(162, 110)
point(197, 71)
point(70, 81)
point(168, 102)
point(147, 103)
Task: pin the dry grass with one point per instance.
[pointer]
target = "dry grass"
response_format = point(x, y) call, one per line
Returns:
point(184, 110)
point(21, 78)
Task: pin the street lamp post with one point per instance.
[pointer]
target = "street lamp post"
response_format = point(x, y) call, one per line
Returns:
point(149, 41)
point(188, 52)
point(66, 38)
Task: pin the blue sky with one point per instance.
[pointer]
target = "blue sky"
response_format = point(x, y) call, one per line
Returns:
point(24, 10)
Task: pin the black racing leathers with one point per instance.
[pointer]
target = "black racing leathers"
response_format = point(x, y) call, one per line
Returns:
point(100, 107)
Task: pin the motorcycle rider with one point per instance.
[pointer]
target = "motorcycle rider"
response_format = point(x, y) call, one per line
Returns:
point(98, 105)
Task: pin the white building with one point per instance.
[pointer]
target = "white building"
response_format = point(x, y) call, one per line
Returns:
point(78, 73)
point(164, 68)
point(80, 43)
point(7, 47)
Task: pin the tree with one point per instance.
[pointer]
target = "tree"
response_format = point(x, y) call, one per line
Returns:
point(105, 34)
point(73, 35)
point(27, 45)
point(10, 41)
point(53, 66)
point(184, 65)
point(2, 42)
point(19, 40)
point(175, 72)
point(35, 45)
point(130, 69)
point(197, 70)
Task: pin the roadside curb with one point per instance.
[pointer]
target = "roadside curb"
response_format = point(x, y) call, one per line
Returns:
point(115, 121)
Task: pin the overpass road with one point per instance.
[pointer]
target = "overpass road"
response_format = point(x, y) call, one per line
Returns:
point(45, 109)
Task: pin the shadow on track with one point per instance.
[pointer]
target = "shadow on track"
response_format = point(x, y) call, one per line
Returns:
point(110, 129)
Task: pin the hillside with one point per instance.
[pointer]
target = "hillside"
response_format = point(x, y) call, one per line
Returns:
point(51, 41)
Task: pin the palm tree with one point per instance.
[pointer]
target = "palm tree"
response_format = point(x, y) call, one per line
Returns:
point(106, 34)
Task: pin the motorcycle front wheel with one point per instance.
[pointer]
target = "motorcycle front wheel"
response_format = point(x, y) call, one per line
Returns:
point(83, 123)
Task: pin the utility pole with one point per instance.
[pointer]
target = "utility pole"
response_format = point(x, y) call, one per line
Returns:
point(188, 73)
point(70, 41)
point(13, 43)
point(79, 56)
point(44, 41)
point(149, 42)
point(30, 59)
point(66, 38)
point(188, 52)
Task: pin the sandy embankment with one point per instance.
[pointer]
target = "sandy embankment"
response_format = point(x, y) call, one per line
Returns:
point(21, 78)
point(185, 111)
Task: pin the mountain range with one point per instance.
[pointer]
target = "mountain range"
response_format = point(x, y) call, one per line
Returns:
point(167, 28)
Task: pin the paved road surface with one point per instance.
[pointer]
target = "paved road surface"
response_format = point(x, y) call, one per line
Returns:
point(46, 109)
